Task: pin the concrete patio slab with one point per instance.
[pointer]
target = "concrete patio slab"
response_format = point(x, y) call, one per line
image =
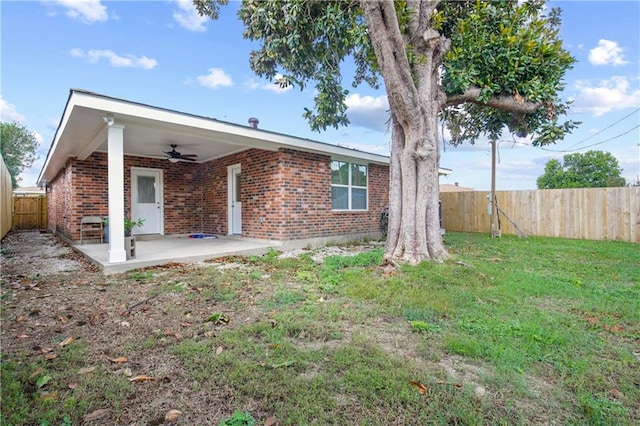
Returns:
point(153, 251)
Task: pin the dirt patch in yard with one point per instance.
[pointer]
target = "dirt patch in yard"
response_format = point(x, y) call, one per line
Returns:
point(51, 294)
point(58, 308)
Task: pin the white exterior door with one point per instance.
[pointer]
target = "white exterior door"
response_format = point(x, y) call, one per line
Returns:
point(146, 200)
point(235, 200)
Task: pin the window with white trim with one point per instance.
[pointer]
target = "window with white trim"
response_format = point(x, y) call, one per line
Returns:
point(348, 186)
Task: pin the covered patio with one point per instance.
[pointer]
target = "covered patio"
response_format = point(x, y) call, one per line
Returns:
point(184, 173)
point(159, 250)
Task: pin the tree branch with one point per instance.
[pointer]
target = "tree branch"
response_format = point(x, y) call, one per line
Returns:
point(388, 44)
point(505, 103)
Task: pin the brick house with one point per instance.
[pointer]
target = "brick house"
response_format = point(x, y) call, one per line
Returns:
point(111, 156)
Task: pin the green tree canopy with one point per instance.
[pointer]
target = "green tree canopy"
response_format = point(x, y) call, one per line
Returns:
point(18, 147)
point(592, 169)
point(482, 65)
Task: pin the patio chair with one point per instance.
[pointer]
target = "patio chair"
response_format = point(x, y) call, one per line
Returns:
point(91, 225)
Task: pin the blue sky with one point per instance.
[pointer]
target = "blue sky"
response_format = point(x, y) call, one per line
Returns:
point(161, 53)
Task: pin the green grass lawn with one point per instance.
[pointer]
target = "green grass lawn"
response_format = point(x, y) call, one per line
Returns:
point(510, 331)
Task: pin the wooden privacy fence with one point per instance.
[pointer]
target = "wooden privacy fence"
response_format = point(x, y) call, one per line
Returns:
point(5, 199)
point(29, 212)
point(585, 213)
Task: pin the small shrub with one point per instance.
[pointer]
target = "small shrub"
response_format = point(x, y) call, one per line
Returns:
point(423, 327)
point(238, 418)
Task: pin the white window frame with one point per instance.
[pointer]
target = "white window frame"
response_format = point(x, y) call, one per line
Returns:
point(349, 186)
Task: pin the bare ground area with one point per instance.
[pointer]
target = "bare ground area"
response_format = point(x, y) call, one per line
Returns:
point(51, 293)
point(51, 296)
point(53, 299)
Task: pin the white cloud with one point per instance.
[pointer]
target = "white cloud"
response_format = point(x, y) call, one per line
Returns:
point(251, 84)
point(383, 149)
point(188, 18)
point(8, 112)
point(613, 94)
point(118, 61)
point(87, 11)
point(273, 86)
point(368, 111)
point(629, 162)
point(216, 78)
point(607, 52)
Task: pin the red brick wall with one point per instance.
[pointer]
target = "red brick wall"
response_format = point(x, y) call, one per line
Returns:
point(182, 193)
point(306, 211)
point(81, 190)
point(285, 195)
point(259, 191)
point(59, 202)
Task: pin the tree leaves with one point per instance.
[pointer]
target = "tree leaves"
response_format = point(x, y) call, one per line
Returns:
point(592, 169)
point(506, 49)
point(18, 148)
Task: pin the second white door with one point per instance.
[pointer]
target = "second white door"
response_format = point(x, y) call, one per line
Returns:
point(235, 200)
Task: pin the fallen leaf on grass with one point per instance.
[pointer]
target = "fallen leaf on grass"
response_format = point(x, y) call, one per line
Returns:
point(141, 379)
point(421, 388)
point(218, 319)
point(86, 370)
point(615, 393)
point(172, 415)
point(45, 350)
point(72, 385)
point(48, 397)
point(36, 373)
point(270, 421)
point(21, 318)
point(98, 414)
point(63, 319)
point(219, 350)
point(186, 324)
point(22, 336)
point(42, 381)
point(118, 360)
point(50, 357)
point(66, 341)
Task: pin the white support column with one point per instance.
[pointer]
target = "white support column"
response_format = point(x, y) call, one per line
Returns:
point(115, 140)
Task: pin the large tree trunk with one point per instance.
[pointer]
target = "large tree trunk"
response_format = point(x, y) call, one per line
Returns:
point(415, 100)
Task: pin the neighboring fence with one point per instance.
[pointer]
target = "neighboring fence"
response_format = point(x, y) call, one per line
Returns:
point(5, 199)
point(29, 212)
point(586, 213)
